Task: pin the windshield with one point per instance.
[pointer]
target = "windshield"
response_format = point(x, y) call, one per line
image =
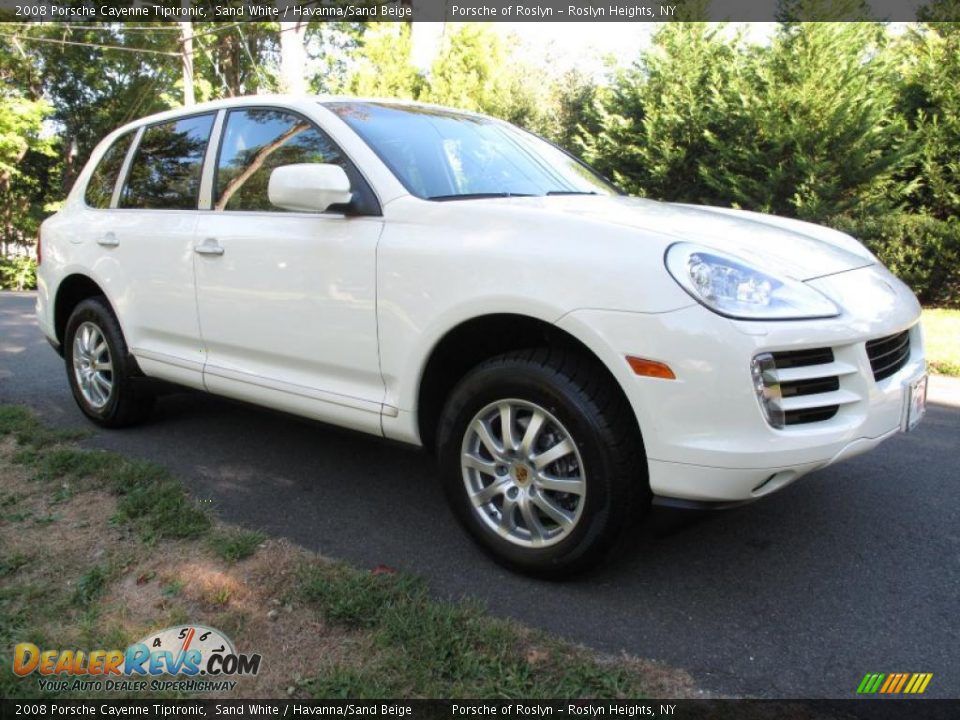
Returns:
point(442, 155)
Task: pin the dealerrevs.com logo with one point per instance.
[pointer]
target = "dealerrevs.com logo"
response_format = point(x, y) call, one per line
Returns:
point(204, 656)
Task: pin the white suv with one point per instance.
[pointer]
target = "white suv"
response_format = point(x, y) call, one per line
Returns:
point(447, 280)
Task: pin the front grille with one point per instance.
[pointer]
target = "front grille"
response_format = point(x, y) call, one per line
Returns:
point(888, 354)
point(811, 381)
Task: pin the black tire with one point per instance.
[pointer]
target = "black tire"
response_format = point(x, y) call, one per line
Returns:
point(601, 424)
point(129, 401)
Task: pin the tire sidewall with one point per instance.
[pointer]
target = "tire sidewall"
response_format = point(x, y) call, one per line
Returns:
point(560, 398)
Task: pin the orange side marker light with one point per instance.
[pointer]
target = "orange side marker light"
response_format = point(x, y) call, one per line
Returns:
point(650, 368)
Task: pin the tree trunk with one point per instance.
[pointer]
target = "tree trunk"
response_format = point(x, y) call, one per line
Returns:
point(186, 58)
point(293, 57)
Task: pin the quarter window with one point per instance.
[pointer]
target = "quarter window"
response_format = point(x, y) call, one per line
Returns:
point(165, 173)
point(104, 178)
point(257, 141)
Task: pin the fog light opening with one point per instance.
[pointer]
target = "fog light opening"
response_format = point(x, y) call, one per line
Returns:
point(766, 385)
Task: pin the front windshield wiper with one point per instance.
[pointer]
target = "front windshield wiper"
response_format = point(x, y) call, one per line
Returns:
point(478, 196)
point(573, 192)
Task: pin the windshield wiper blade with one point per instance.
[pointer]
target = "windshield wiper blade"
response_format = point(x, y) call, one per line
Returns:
point(478, 196)
point(573, 192)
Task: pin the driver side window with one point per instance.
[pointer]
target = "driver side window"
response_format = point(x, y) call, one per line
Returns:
point(257, 141)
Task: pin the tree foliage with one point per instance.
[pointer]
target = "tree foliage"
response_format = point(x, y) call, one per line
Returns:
point(657, 117)
point(22, 144)
point(930, 103)
point(811, 127)
point(383, 65)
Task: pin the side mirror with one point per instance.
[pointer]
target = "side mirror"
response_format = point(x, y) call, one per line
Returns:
point(309, 187)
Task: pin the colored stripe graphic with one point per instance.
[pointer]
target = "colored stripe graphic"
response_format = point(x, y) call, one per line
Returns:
point(894, 683)
point(918, 683)
point(871, 683)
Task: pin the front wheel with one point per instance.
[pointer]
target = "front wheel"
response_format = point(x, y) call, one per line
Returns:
point(541, 461)
point(99, 367)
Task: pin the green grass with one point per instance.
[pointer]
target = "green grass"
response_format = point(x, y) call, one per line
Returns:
point(91, 586)
point(12, 563)
point(150, 499)
point(423, 647)
point(155, 502)
point(941, 329)
point(29, 432)
point(235, 544)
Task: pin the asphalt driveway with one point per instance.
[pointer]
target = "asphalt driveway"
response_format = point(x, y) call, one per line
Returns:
point(851, 570)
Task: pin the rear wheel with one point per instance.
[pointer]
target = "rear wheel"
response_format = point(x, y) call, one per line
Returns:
point(541, 461)
point(99, 369)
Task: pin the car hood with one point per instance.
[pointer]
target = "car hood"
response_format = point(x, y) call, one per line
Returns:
point(797, 249)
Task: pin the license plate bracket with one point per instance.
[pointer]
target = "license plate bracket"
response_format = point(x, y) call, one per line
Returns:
point(916, 404)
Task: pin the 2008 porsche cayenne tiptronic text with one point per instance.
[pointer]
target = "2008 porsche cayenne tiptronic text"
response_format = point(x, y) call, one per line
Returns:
point(568, 353)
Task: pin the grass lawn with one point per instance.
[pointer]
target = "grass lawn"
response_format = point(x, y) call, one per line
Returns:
point(97, 551)
point(941, 330)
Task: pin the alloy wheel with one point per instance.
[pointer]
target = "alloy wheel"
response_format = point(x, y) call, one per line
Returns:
point(523, 473)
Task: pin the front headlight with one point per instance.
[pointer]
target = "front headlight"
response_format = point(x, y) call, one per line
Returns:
point(732, 287)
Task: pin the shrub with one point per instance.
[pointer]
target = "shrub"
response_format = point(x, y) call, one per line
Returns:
point(18, 272)
point(921, 250)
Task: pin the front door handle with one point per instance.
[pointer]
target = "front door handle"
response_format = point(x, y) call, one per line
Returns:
point(108, 240)
point(210, 246)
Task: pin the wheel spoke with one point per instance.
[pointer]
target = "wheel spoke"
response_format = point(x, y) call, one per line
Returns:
point(530, 519)
point(506, 427)
point(573, 485)
point(497, 487)
point(562, 448)
point(103, 367)
point(96, 394)
point(102, 382)
point(507, 523)
point(532, 433)
point(486, 437)
point(559, 516)
point(486, 467)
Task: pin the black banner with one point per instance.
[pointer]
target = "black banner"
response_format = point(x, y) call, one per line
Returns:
point(474, 10)
point(892, 709)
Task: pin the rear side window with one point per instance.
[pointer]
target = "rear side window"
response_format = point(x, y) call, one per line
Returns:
point(257, 141)
point(104, 178)
point(165, 173)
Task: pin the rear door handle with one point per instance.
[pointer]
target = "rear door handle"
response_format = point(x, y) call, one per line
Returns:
point(108, 240)
point(210, 246)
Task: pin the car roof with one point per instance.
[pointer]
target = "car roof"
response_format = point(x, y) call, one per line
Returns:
point(285, 100)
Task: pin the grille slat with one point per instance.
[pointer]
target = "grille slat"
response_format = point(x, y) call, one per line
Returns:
point(803, 358)
point(813, 386)
point(888, 354)
point(810, 415)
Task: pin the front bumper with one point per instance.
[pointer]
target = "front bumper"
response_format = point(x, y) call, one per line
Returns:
point(705, 436)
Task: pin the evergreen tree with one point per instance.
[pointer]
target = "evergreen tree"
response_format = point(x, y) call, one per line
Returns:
point(812, 129)
point(930, 101)
point(656, 119)
point(384, 67)
point(467, 71)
